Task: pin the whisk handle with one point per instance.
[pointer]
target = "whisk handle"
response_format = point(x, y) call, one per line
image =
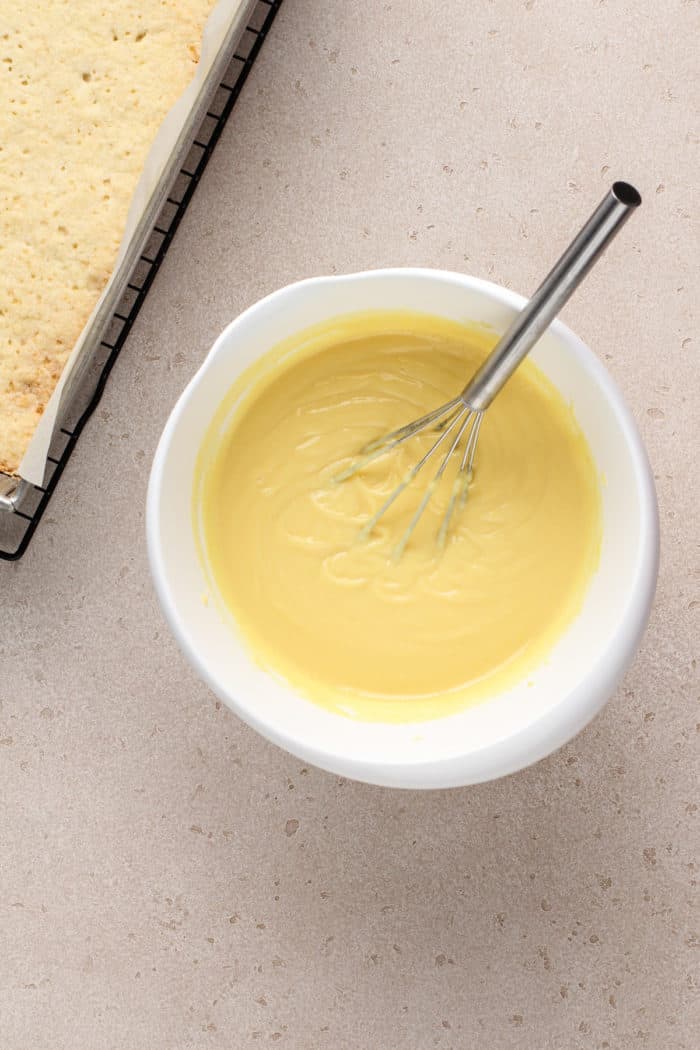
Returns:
point(557, 287)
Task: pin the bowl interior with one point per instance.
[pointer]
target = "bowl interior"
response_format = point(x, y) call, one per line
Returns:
point(495, 737)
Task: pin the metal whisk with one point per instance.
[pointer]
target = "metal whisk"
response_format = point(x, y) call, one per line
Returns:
point(459, 420)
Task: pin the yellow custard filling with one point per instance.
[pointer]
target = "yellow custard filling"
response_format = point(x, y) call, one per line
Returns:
point(338, 619)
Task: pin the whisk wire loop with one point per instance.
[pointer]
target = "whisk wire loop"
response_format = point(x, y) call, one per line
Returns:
point(413, 472)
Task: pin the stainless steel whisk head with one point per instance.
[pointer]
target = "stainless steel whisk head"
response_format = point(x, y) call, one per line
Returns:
point(458, 421)
point(458, 424)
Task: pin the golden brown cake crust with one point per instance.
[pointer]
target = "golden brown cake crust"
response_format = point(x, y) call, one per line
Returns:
point(85, 86)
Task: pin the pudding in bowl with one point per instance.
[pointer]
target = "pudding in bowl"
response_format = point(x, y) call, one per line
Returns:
point(424, 707)
point(332, 611)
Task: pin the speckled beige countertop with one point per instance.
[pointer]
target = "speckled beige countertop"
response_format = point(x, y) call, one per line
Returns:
point(168, 880)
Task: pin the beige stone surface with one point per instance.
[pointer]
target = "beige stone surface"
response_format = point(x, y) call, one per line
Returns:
point(168, 880)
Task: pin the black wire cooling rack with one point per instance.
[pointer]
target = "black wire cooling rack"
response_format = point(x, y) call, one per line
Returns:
point(19, 525)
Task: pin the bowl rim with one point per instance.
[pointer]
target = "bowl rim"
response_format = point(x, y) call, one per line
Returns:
point(543, 734)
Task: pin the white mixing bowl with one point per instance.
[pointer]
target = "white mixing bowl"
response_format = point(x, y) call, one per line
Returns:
point(516, 727)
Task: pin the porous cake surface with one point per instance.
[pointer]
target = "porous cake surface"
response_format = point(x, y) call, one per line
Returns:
point(85, 86)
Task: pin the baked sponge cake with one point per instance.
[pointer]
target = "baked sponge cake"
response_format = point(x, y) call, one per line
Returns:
point(84, 87)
